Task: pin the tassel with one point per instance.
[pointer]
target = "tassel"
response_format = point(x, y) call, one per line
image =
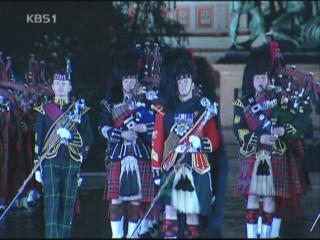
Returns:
point(130, 181)
point(184, 197)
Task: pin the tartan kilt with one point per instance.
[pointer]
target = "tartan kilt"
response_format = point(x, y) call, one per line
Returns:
point(112, 185)
point(295, 162)
point(279, 170)
point(203, 189)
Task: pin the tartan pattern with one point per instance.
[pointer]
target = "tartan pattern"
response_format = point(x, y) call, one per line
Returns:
point(113, 175)
point(60, 188)
point(280, 175)
point(252, 216)
point(191, 231)
point(295, 158)
point(133, 213)
point(252, 119)
point(281, 206)
point(3, 159)
point(153, 215)
point(122, 111)
point(203, 188)
point(116, 211)
point(170, 228)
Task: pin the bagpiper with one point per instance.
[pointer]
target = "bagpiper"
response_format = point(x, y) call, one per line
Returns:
point(127, 123)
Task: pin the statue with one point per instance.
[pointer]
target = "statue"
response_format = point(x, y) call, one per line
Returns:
point(293, 22)
point(256, 25)
point(299, 24)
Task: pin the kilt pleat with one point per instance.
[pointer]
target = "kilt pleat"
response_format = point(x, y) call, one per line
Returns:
point(295, 158)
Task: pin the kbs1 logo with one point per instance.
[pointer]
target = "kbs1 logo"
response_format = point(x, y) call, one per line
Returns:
point(41, 18)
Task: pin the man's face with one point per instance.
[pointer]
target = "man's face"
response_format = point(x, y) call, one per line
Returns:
point(61, 88)
point(260, 82)
point(128, 84)
point(185, 86)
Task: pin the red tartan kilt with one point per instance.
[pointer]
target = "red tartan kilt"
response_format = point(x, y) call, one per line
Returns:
point(295, 158)
point(279, 171)
point(113, 175)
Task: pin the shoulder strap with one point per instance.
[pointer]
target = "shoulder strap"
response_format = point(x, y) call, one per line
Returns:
point(51, 133)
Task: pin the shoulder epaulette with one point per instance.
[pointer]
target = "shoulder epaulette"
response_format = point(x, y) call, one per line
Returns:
point(158, 109)
point(238, 103)
point(39, 109)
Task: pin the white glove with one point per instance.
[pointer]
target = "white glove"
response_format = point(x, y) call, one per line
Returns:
point(104, 131)
point(65, 135)
point(157, 182)
point(195, 141)
point(80, 179)
point(38, 176)
point(156, 177)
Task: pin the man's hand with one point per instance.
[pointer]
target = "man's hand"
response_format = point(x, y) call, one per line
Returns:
point(129, 135)
point(104, 131)
point(38, 176)
point(65, 135)
point(279, 131)
point(141, 128)
point(156, 176)
point(268, 139)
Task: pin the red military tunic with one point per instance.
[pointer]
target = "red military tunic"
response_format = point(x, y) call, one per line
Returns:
point(165, 151)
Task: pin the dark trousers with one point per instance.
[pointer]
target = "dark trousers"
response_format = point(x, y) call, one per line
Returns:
point(60, 182)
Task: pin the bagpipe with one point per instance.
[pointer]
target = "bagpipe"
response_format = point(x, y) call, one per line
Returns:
point(291, 90)
point(140, 95)
point(258, 108)
point(149, 61)
point(298, 90)
point(31, 91)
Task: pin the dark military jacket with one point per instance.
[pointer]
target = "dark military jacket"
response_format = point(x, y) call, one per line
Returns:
point(249, 125)
point(47, 114)
point(119, 117)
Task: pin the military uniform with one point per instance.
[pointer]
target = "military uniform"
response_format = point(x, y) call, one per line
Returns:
point(119, 149)
point(129, 176)
point(61, 165)
point(189, 190)
point(248, 129)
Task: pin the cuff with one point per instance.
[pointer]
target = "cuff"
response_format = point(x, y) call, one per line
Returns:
point(150, 127)
point(290, 129)
point(114, 134)
point(206, 145)
point(252, 139)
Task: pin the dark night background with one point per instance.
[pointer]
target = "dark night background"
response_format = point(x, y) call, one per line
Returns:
point(88, 33)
